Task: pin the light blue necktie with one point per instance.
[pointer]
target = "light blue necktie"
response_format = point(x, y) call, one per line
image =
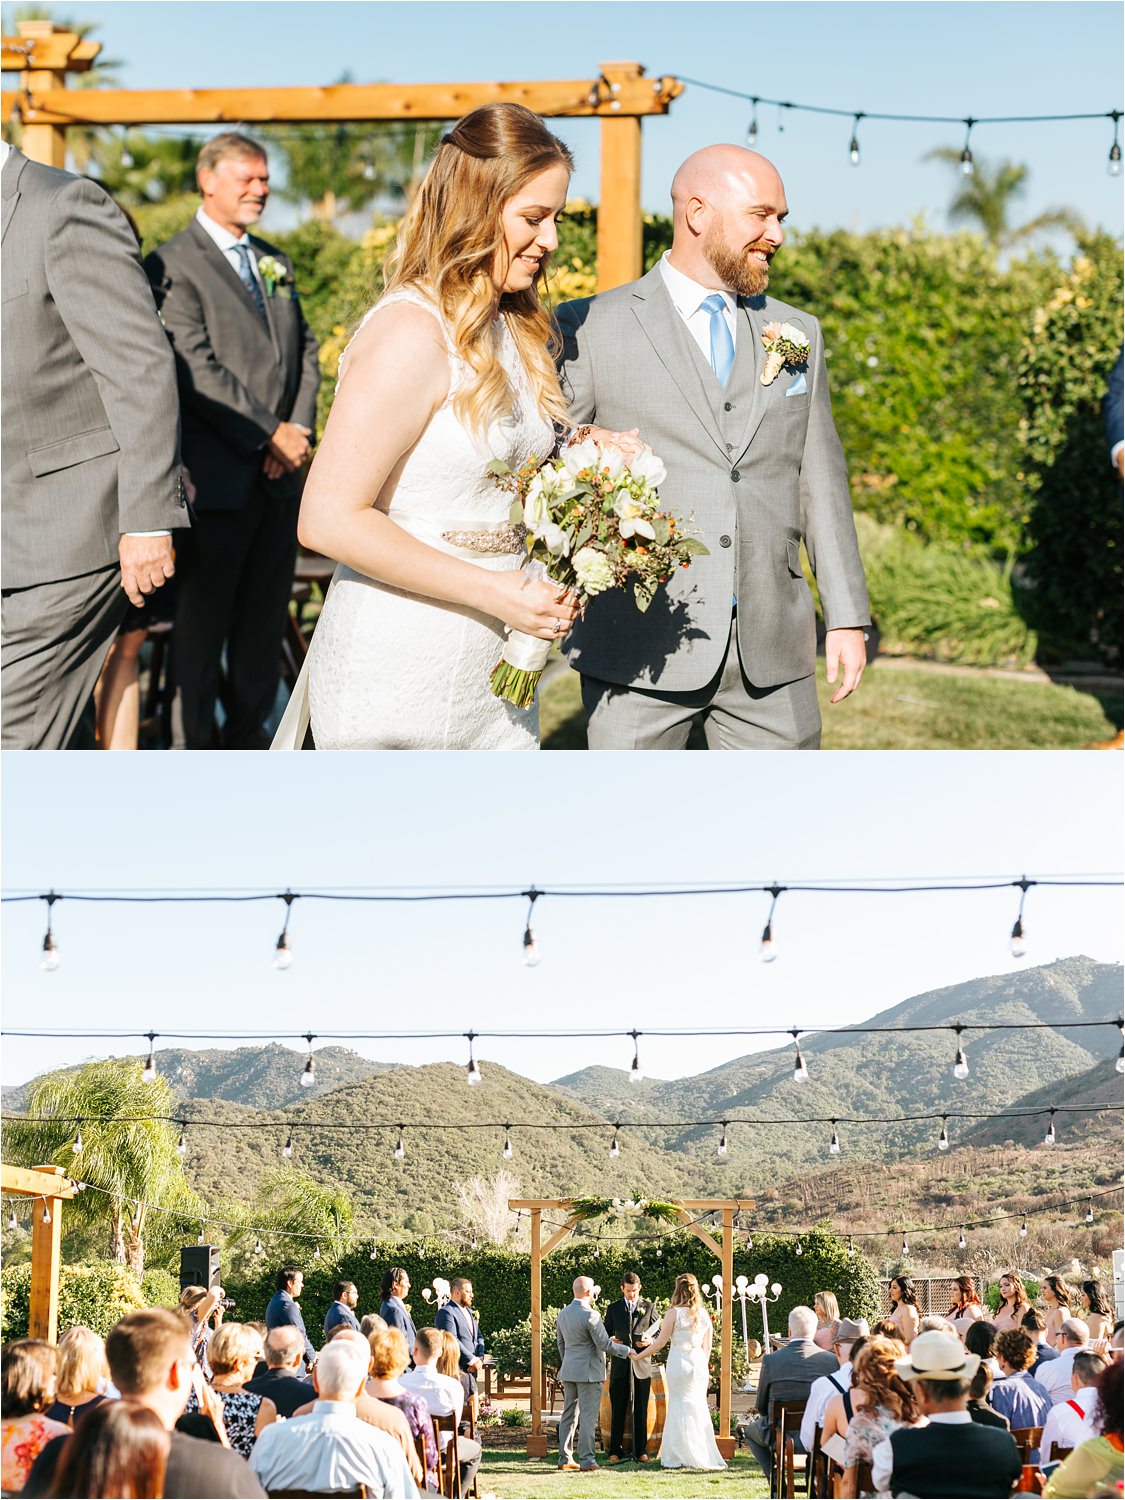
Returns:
point(250, 281)
point(722, 345)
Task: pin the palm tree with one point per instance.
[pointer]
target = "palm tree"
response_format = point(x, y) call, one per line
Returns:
point(138, 168)
point(986, 197)
point(86, 1122)
point(298, 1216)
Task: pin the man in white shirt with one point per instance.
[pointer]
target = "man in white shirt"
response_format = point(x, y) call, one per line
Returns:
point(1054, 1377)
point(444, 1396)
point(824, 1387)
point(330, 1448)
point(1069, 1423)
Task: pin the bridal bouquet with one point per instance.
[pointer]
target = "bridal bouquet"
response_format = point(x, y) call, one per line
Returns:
point(592, 523)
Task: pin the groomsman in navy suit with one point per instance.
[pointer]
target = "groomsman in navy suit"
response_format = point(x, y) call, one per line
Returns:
point(393, 1309)
point(457, 1317)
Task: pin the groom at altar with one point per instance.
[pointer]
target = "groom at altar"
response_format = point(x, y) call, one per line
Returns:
point(629, 1320)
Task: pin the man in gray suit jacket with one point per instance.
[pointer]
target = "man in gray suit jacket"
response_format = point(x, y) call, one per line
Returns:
point(91, 462)
point(248, 373)
point(787, 1375)
point(679, 355)
point(583, 1344)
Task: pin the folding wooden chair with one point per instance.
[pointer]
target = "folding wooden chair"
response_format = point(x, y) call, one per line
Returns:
point(786, 1415)
point(1027, 1439)
point(449, 1466)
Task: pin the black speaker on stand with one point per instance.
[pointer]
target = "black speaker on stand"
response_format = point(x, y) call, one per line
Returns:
point(199, 1266)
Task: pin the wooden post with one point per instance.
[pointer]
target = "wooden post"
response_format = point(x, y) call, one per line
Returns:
point(537, 1441)
point(724, 1439)
point(46, 1256)
point(619, 205)
point(43, 143)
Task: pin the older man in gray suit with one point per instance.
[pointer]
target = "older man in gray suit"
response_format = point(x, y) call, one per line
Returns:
point(679, 356)
point(91, 464)
point(787, 1375)
point(583, 1345)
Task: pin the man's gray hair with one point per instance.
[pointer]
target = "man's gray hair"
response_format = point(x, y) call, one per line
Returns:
point(1075, 1331)
point(372, 1323)
point(935, 1324)
point(283, 1345)
point(341, 1368)
point(802, 1323)
point(228, 143)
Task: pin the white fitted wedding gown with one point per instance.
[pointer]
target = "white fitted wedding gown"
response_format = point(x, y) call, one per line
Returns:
point(390, 670)
point(689, 1438)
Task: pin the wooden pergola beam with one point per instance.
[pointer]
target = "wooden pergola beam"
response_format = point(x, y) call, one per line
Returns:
point(36, 1182)
point(700, 1233)
point(53, 1186)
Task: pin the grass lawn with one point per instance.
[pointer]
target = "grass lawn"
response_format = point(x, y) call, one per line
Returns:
point(507, 1473)
point(908, 709)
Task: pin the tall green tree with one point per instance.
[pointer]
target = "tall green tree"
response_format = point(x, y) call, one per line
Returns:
point(140, 169)
point(295, 1216)
point(986, 198)
point(129, 1159)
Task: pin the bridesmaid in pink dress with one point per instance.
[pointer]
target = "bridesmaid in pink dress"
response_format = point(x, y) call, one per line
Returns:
point(827, 1311)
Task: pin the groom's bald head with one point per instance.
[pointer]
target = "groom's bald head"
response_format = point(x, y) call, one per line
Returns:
point(728, 206)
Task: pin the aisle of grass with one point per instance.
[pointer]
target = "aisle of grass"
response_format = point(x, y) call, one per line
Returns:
point(510, 1474)
point(909, 709)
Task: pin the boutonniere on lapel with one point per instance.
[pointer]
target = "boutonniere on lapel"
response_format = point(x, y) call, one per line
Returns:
point(785, 346)
point(273, 274)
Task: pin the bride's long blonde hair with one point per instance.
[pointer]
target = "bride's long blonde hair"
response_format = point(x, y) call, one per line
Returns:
point(688, 1296)
point(451, 240)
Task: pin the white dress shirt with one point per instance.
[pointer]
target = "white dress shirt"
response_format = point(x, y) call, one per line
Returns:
point(226, 243)
point(442, 1394)
point(883, 1458)
point(1054, 1376)
point(1064, 1428)
point(823, 1388)
point(687, 295)
point(331, 1449)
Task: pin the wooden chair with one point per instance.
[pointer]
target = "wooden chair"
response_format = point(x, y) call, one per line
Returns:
point(420, 1449)
point(1060, 1455)
point(359, 1490)
point(1026, 1438)
point(786, 1415)
point(818, 1467)
point(449, 1465)
point(471, 1415)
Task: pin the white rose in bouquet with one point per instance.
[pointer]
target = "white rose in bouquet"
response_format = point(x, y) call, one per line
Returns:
point(535, 510)
point(592, 570)
point(630, 514)
point(613, 463)
point(555, 539)
point(579, 456)
point(648, 467)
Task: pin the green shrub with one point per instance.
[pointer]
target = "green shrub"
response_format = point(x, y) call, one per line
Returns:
point(515, 1416)
point(511, 1347)
point(159, 1287)
point(97, 1296)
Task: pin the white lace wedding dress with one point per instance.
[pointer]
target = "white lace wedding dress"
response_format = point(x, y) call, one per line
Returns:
point(390, 670)
point(689, 1438)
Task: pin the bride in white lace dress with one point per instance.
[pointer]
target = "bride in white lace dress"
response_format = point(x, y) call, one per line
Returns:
point(451, 369)
point(689, 1438)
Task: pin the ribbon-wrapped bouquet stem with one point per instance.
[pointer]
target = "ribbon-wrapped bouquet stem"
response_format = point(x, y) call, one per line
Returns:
point(593, 523)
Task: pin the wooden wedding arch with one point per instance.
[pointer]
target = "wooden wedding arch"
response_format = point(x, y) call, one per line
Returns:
point(620, 96)
point(51, 1186)
point(687, 1210)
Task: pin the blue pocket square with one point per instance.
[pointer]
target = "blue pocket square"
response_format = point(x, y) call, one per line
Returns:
point(798, 388)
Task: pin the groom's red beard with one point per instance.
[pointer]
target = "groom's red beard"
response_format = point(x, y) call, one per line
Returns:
point(743, 276)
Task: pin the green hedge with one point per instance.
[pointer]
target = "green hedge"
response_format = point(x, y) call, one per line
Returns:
point(96, 1296)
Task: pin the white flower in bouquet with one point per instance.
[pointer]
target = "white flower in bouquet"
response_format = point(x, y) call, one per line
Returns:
point(631, 517)
point(612, 462)
point(794, 335)
point(593, 571)
point(645, 465)
point(555, 539)
point(579, 456)
point(536, 511)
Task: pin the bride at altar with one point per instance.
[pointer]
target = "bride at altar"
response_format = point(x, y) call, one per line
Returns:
point(689, 1438)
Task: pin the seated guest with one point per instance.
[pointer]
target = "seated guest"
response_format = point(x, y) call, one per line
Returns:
point(443, 1397)
point(888, 1330)
point(1071, 1423)
point(841, 1408)
point(836, 1383)
point(952, 1454)
point(786, 1375)
point(282, 1309)
point(933, 1323)
point(827, 1311)
point(884, 1403)
point(342, 1312)
point(1057, 1295)
point(151, 1363)
point(1055, 1377)
point(980, 1339)
point(329, 1448)
point(285, 1359)
point(1015, 1395)
point(27, 1381)
point(966, 1306)
point(235, 1350)
point(1035, 1326)
point(119, 1449)
point(457, 1317)
point(449, 1363)
point(371, 1323)
point(389, 1360)
point(81, 1375)
point(1096, 1466)
point(978, 1407)
point(1013, 1302)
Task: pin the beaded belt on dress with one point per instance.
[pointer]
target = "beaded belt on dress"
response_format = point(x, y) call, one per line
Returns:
point(504, 538)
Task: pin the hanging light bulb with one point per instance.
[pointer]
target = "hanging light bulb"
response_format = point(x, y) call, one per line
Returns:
point(1090, 1212)
point(960, 1065)
point(126, 155)
point(752, 133)
point(202, 1237)
point(287, 1149)
point(659, 1249)
point(1114, 168)
point(13, 1222)
point(374, 1254)
point(316, 1253)
point(614, 1148)
point(507, 1143)
point(905, 1247)
point(834, 1143)
point(768, 952)
point(1121, 1054)
point(50, 959)
point(257, 1246)
point(597, 1252)
point(721, 1148)
point(1018, 941)
point(635, 1073)
point(800, 1072)
point(943, 1138)
point(853, 144)
point(46, 1212)
point(400, 1146)
point(148, 1074)
point(76, 1144)
point(1023, 1230)
point(851, 1250)
point(283, 954)
point(308, 1075)
point(472, 1074)
point(368, 170)
point(1049, 1138)
point(531, 954)
point(137, 1217)
point(966, 153)
point(473, 1243)
point(181, 1144)
point(800, 1249)
point(961, 1241)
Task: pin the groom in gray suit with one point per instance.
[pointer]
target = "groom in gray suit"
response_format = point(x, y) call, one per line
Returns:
point(91, 462)
point(583, 1345)
point(679, 356)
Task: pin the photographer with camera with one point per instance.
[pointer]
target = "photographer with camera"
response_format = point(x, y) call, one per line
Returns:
point(204, 1306)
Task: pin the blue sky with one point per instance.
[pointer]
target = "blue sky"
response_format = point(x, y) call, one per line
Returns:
point(270, 822)
point(948, 58)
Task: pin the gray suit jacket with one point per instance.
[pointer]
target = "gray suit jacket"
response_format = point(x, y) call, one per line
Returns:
point(583, 1343)
point(788, 1373)
point(239, 376)
point(90, 411)
point(759, 469)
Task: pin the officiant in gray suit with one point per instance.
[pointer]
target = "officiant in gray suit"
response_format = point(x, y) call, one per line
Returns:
point(248, 374)
point(583, 1345)
point(91, 463)
point(680, 356)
